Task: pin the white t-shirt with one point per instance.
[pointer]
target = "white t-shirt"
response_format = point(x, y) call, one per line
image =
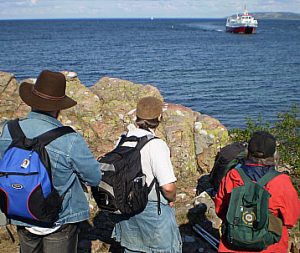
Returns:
point(42, 231)
point(155, 156)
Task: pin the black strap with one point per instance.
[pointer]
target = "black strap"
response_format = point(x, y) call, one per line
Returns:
point(15, 130)
point(17, 133)
point(10, 234)
point(144, 140)
point(53, 134)
point(141, 141)
point(124, 138)
point(154, 181)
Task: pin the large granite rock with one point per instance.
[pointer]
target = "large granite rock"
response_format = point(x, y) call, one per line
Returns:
point(105, 110)
point(11, 104)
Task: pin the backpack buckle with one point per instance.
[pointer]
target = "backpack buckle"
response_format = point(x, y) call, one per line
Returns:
point(28, 143)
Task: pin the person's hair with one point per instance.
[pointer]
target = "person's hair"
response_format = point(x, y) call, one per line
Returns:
point(147, 123)
point(55, 113)
point(269, 161)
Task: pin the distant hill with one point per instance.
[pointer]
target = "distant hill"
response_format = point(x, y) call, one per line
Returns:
point(277, 15)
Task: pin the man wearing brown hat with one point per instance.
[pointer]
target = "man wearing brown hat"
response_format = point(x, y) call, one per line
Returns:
point(72, 164)
point(151, 231)
point(283, 203)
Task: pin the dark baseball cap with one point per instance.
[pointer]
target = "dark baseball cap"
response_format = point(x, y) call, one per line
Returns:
point(262, 144)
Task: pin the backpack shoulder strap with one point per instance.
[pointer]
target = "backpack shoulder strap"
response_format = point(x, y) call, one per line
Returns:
point(242, 173)
point(233, 163)
point(124, 138)
point(17, 133)
point(272, 173)
point(263, 180)
point(46, 138)
point(144, 140)
point(141, 141)
point(15, 130)
point(157, 190)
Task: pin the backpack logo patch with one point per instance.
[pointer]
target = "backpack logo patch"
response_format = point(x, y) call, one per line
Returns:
point(17, 186)
point(25, 163)
point(248, 217)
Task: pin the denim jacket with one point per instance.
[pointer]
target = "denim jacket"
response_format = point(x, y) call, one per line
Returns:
point(72, 164)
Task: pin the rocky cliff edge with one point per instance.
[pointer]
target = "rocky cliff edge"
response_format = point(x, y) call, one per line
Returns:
point(106, 110)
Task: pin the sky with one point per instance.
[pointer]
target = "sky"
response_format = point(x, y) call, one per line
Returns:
point(44, 9)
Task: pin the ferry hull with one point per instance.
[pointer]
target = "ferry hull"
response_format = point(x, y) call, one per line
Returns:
point(241, 29)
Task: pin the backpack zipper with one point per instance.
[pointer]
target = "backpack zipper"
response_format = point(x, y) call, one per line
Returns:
point(6, 174)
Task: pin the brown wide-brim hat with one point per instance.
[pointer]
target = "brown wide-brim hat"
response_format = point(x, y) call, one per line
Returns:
point(48, 92)
point(149, 108)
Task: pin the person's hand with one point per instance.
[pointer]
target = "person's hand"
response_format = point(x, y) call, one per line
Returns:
point(172, 204)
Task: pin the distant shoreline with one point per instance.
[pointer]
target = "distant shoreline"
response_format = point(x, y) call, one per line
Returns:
point(258, 15)
point(277, 15)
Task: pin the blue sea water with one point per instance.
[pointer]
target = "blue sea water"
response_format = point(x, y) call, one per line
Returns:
point(193, 62)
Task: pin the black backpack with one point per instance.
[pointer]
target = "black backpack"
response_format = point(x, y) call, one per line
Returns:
point(228, 157)
point(26, 190)
point(123, 188)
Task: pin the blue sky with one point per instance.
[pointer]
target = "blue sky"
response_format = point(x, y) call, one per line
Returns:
point(27, 9)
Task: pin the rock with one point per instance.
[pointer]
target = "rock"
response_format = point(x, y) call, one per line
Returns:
point(205, 205)
point(181, 196)
point(105, 110)
point(210, 136)
point(69, 74)
point(11, 104)
point(179, 134)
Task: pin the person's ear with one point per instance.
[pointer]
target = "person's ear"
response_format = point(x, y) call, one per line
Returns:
point(160, 118)
point(57, 114)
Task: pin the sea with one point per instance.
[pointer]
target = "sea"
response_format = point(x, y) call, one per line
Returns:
point(193, 62)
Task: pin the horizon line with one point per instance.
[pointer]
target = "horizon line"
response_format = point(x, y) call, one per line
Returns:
point(144, 18)
point(147, 18)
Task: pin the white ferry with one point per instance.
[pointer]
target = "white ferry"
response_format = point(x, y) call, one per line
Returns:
point(241, 23)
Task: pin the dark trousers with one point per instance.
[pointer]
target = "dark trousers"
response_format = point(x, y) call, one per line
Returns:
point(64, 240)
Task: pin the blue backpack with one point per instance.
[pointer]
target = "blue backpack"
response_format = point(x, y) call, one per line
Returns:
point(26, 190)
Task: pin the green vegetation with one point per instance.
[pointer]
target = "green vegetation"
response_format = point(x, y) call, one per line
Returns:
point(287, 132)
